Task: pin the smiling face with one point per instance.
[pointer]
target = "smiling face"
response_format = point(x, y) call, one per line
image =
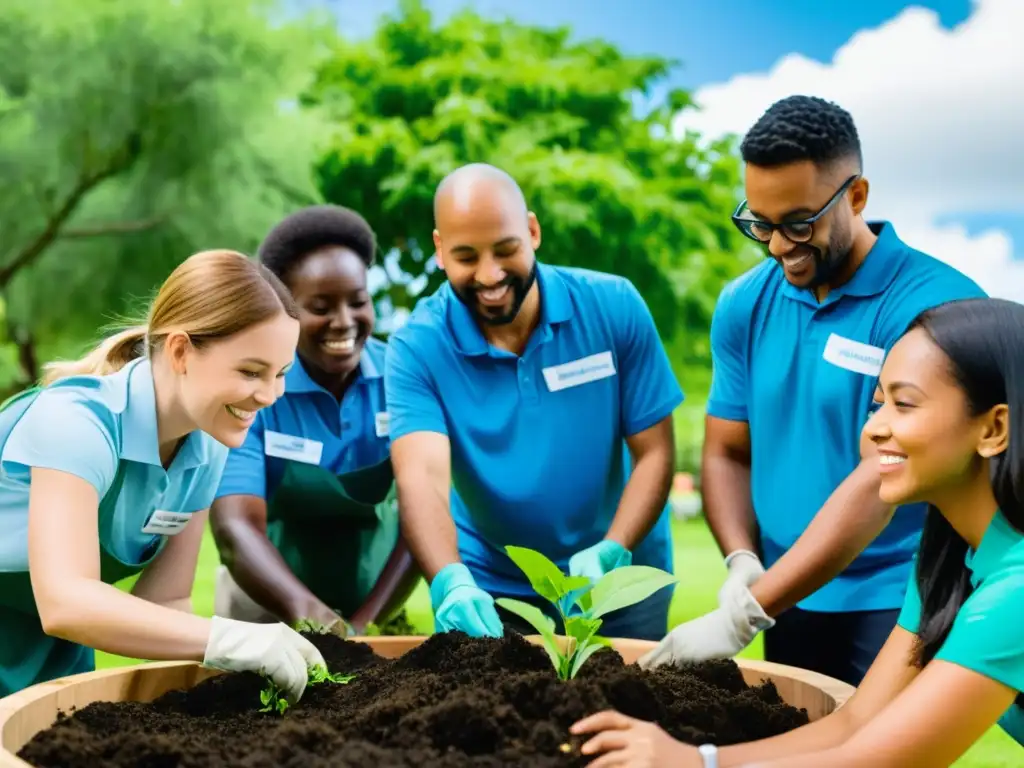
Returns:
point(485, 242)
point(798, 191)
point(223, 384)
point(930, 445)
point(335, 309)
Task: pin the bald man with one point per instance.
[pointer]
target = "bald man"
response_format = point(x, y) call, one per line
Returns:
point(529, 405)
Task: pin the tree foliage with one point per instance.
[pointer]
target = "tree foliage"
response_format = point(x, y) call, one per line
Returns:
point(132, 134)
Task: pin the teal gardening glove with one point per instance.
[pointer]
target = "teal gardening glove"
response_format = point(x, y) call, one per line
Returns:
point(459, 604)
point(595, 561)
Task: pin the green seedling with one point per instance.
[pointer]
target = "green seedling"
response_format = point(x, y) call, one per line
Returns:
point(617, 589)
point(314, 627)
point(273, 699)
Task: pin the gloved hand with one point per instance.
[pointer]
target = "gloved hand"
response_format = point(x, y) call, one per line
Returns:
point(458, 603)
point(274, 650)
point(595, 561)
point(744, 570)
point(720, 634)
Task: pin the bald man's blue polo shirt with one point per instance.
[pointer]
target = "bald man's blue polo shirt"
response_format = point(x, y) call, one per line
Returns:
point(802, 375)
point(538, 451)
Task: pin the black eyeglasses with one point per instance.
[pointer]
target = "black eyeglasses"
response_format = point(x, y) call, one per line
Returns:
point(795, 231)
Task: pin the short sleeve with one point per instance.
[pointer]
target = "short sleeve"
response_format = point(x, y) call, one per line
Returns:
point(986, 636)
point(414, 404)
point(910, 613)
point(205, 490)
point(649, 388)
point(727, 398)
point(65, 431)
point(245, 467)
point(920, 294)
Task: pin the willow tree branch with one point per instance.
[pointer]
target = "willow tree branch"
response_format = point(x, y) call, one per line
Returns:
point(111, 228)
point(118, 163)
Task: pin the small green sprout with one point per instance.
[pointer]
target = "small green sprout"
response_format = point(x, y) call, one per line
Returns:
point(341, 628)
point(273, 699)
point(617, 589)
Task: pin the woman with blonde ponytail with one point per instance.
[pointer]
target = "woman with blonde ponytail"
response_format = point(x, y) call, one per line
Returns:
point(109, 357)
point(108, 468)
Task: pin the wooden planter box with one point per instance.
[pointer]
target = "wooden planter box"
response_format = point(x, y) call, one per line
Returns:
point(24, 714)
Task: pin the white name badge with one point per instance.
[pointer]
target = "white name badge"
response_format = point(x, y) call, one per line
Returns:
point(284, 446)
point(582, 371)
point(165, 523)
point(382, 423)
point(854, 355)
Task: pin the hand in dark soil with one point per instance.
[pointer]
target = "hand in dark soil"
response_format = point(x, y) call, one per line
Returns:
point(454, 701)
point(615, 739)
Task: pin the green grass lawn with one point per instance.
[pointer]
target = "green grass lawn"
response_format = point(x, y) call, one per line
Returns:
point(700, 571)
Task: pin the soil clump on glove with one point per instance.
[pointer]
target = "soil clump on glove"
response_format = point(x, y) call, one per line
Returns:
point(453, 701)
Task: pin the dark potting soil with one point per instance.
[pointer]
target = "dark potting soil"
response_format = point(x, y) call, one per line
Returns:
point(453, 701)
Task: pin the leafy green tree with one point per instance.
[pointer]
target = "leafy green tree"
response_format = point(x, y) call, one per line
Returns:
point(613, 190)
point(131, 135)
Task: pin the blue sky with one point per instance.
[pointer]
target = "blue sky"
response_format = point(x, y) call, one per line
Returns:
point(919, 77)
point(714, 39)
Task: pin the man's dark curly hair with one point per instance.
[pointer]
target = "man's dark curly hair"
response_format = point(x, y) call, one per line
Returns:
point(310, 229)
point(802, 128)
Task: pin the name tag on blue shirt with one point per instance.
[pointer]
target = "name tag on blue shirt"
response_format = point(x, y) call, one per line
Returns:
point(854, 355)
point(582, 371)
point(381, 423)
point(165, 523)
point(282, 446)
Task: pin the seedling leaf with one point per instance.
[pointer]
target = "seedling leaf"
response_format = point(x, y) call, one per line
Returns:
point(585, 653)
point(543, 624)
point(544, 576)
point(625, 586)
point(273, 699)
point(617, 589)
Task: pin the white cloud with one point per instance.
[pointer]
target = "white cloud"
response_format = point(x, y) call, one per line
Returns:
point(941, 119)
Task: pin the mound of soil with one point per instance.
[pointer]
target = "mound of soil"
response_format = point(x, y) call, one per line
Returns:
point(453, 701)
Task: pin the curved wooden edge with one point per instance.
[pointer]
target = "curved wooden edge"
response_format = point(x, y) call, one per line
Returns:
point(837, 689)
point(17, 701)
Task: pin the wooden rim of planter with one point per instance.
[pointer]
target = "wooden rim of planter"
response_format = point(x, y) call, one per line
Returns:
point(27, 712)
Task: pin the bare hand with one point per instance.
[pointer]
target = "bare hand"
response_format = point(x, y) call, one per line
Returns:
point(626, 742)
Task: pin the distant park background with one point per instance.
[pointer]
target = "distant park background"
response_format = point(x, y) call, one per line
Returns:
point(134, 134)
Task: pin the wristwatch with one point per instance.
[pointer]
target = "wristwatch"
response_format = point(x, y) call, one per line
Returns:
point(709, 753)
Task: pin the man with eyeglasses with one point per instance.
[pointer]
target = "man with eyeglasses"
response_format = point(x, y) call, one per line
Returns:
point(797, 344)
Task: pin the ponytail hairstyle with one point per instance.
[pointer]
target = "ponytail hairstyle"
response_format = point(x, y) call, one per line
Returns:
point(210, 296)
point(983, 340)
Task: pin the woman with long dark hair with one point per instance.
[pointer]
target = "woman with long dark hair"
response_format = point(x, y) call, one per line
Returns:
point(948, 427)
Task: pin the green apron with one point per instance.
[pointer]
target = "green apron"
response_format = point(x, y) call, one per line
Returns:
point(27, 654)
point(336, 532)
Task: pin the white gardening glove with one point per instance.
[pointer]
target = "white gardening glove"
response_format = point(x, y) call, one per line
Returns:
point(721, 634)
point(744, 569)
point(274, 650)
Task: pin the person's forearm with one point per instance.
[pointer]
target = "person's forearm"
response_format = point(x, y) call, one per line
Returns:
point(184, 605)
point(262, 573)
point(427, 524)
point(851, 519)
point(643, 499)
point(827, 733)
point(728, 508)
point(396, 582)
point(101, 616)
point(837, 757)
